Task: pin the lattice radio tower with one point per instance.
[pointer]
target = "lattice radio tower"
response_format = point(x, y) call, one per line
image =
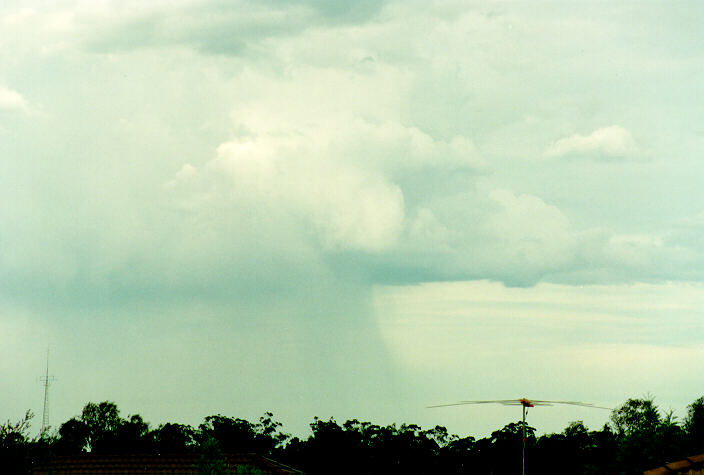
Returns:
point(46, 380)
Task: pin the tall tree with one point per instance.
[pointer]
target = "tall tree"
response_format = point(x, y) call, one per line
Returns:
point(101, 429)
point(102, 422)
point(694, 426)
point(16, 445)
point(638, 426)
point(172, 438)
point(240, 435)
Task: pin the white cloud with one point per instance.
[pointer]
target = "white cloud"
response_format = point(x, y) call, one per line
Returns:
point(305, 138)
point(527, 234)
point(335, 161)
point(350, 208)
point(397, 148)
point(425, 231)
point(613, 141)
point(12, 100)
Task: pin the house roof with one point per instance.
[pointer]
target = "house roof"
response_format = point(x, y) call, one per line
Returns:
point(162, 464)
point(693, 465)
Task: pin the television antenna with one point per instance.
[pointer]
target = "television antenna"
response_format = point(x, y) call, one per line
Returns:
point(46, 380)
point(525, 403)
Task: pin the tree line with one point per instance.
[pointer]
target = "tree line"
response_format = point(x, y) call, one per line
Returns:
point(638, 436)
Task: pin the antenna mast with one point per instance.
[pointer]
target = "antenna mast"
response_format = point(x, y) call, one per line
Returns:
point(46, 379)
point(526, 404)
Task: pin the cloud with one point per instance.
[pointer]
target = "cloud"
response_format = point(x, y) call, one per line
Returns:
point(235, 29)
point(351, 207)
point(367, 144)
point(12, 100)
point(221, 185)
point(527, 237)
point(613, 141)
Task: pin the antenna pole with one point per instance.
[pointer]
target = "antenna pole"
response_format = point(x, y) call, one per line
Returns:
point(526, 404)
point(523, 449)
point(46, 379)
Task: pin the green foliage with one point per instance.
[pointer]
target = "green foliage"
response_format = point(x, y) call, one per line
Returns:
point(100, 429)
point(73, 437)
point(248, 470)
point(694, 425)
point(16, 444)
point(583, 451)
point(173, 439)
point(639, 436)
point(240, 435)
point(646, 437)
point(17, 432)
point(211, 460)
point(636, 417)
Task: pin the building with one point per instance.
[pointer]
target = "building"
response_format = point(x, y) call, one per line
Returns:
point(690, 466)
point(244, 464)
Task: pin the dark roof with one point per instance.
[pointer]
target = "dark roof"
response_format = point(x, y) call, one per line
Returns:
point(163, 464)
point(693, 465)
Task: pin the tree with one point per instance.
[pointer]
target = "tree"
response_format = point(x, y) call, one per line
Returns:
point(16, 445)
point(173, 439)
point(602, 453)
point(100, 429)
point(694, 426)
point(102, 422)
point(133, 436)
point(73, 437)
point(507, 447)
point(211, 460)
point(642, 435)
point(636, 417)
point(458, 454)
point(269, 436)
point(578, 442)
point(240, 435)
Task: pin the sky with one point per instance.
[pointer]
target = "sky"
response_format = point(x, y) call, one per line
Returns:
point(351, 209)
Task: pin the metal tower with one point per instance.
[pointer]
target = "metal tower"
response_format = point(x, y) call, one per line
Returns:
point(46, 380)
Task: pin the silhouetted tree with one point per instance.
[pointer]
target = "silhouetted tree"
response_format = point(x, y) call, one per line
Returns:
point(694, 426)
point(643, 435)
point(100, 429)
point(639, 436)
point(458, 455)
point(173, 439)
point(507, 446)
point(211, 460)
point(133, 436)
point(73, 437)
point(102, 422)
point(240, 435)
point(601, 457)
point(16, 445)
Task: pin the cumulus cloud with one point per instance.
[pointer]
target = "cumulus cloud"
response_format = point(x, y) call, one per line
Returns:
point(613, 141)
point(230, 181)
point(351, 208)
point(367, 143)
point(528, 236)
point(12, 100)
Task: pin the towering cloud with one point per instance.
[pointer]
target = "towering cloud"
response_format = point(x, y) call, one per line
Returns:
point(230, 184)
